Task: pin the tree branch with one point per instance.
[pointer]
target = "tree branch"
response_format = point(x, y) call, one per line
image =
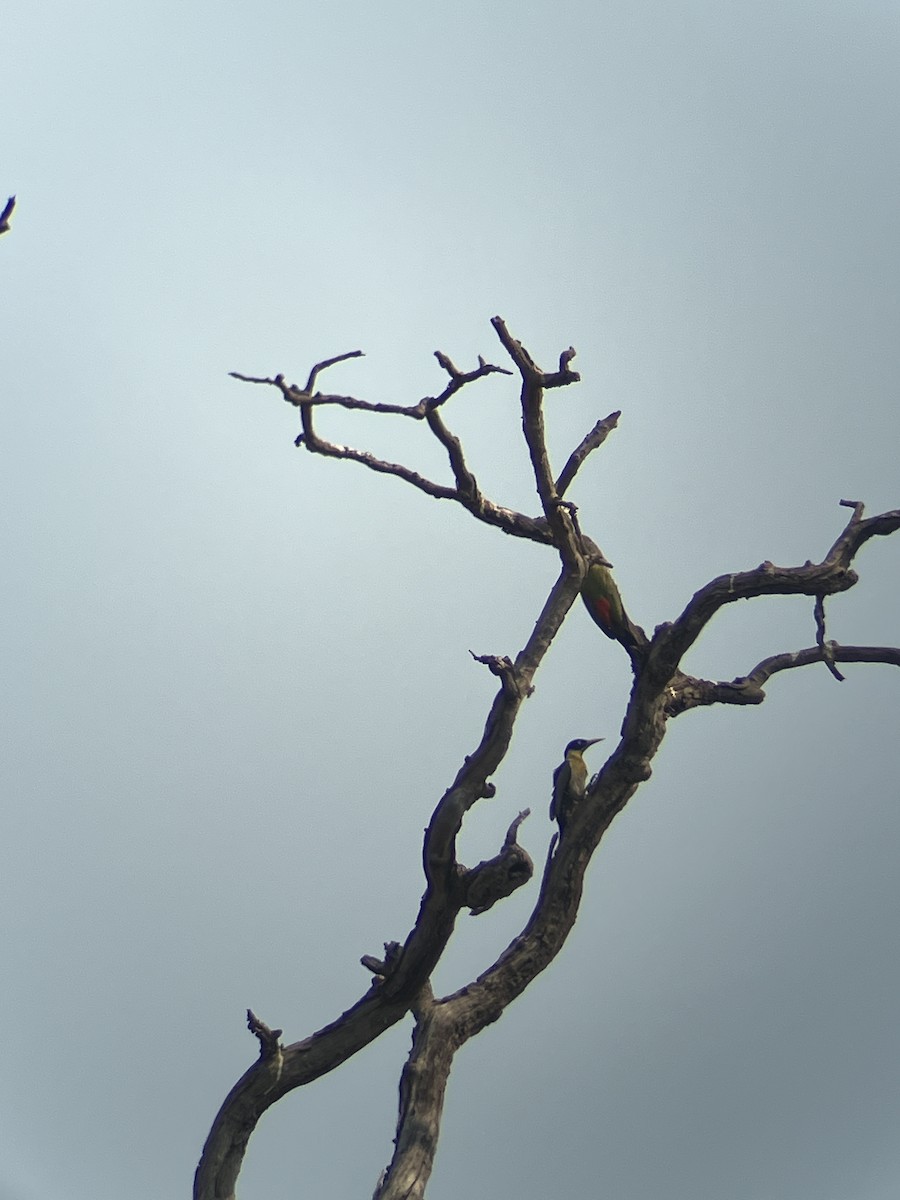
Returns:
point(687, 692)
point(423, 1086)
point(466, 492)
point(390, 996)
point(889, 655)
point(325, 364)
point(482, 1001)
point(500, 876)
point(833, 574)
point(823, 644)
point(534, 383)
point(591, 441)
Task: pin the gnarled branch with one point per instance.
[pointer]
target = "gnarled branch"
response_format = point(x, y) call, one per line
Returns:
point(661, 690)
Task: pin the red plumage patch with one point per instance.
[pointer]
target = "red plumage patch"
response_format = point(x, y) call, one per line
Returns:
point(601, 607)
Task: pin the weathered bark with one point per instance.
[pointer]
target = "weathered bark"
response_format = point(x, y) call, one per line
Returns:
point(661, 691)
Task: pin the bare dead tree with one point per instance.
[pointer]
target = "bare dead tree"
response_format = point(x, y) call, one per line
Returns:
point(661, 691)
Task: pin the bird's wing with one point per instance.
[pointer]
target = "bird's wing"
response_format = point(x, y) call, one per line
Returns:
point(6, 214)
point(560, 782)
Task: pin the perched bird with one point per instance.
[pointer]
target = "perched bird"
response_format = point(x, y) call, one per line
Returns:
point(6, 214)
point(602, 600)
point(569, 780)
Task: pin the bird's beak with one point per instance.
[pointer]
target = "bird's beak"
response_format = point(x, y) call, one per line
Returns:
point(594, 741)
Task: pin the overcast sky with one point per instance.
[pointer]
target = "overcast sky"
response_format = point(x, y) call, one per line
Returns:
point(238, 677)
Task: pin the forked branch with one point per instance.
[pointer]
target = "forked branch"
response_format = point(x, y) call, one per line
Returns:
point(552, 528)
point(662, 690)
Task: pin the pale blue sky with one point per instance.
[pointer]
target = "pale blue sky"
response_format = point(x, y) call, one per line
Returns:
point(238, 677)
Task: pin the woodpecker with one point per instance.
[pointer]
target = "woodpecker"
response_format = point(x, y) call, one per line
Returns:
point(569, 780)
point(602, 600)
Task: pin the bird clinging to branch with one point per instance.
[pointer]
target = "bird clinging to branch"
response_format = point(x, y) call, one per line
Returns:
point(602, 600)
point(569, 780)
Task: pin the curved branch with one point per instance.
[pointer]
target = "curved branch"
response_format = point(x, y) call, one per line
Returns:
point(890, 655)
point(391, 995)
point(458, 379)
point(654, 698)
point(500, 876)
point(325, 364)
point(832, 575)
point(296, 395)
point(556, 527)
point(590, 442)
point(466, 492)
point(858, 531)
point(687, 692)
point(534, 383)
point(423, 1086)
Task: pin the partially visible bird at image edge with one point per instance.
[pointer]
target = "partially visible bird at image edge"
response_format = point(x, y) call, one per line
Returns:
point(6, 214)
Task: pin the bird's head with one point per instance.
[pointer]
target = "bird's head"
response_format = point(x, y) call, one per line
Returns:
point(579, 745)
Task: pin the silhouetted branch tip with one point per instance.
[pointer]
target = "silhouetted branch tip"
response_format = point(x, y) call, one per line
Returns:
point(515, 349)
point(504, 668)
point(686, 692)
point(564, 375)
point(590, 442)
point(514, 826)
point(497, 664)
point(459, 378)
point(276, 381)
point(497, 877)
point(325, 364)
point(268, 1038)
point(528, 368)
point(379, 967)
point(857, 506)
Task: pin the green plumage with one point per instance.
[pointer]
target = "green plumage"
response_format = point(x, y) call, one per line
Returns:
point(602, 600)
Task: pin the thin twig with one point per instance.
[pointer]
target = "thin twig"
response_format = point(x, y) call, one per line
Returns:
point(823, 643)
point(325, 364)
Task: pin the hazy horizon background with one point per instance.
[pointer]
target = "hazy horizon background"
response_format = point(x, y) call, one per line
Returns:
point(238, 677)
